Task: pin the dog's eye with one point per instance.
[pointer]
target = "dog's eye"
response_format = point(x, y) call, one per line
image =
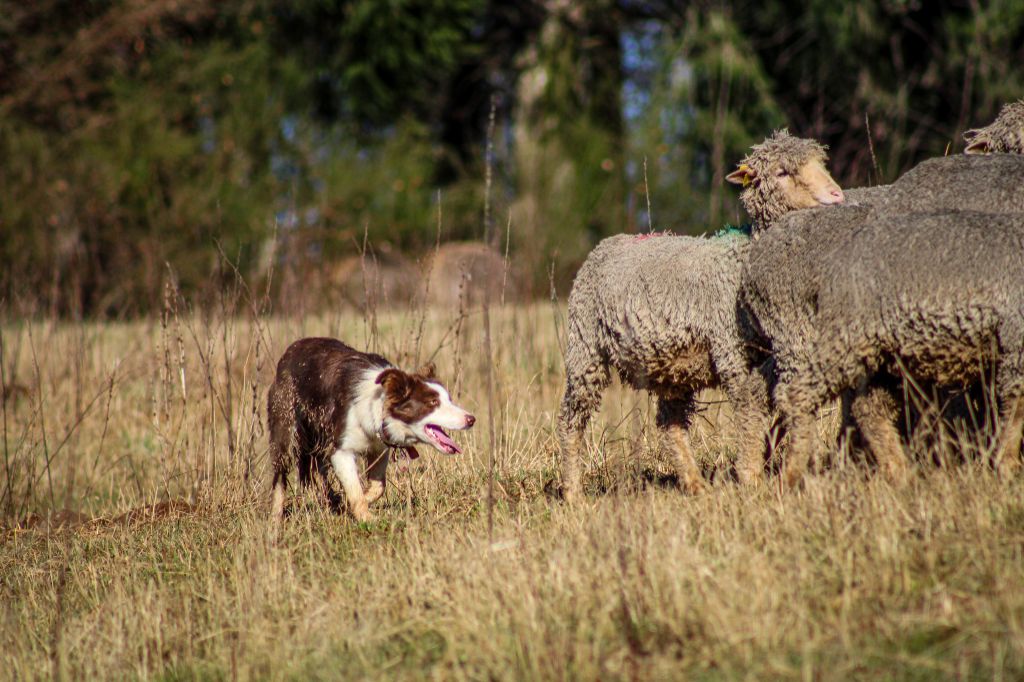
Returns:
point(434, 402)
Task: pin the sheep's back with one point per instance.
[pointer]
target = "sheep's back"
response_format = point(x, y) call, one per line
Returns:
point(867, 196)
point(990, 183)
point(658, 305)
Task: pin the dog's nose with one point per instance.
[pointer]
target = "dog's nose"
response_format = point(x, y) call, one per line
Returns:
point(470, 420)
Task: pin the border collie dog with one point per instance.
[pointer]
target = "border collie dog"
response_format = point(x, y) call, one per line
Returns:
point(332, 402)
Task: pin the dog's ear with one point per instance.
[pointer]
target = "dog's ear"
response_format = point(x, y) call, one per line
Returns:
point(396, 383)
point(428, 371)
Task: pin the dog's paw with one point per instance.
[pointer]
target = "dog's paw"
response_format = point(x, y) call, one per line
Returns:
point(361, 512)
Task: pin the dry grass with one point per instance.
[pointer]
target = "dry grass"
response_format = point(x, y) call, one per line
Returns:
point(850, 578)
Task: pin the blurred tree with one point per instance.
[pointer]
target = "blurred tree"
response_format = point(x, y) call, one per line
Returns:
point(568, 133)
point(374, 61)
point(914, 74)
point(138, 133)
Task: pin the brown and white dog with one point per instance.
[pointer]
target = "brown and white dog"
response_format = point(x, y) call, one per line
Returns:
point(330, 401)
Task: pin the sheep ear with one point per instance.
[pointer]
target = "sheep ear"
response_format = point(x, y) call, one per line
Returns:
point(977, 144)
point(977, 141)
point(428, 371)
point(743, 175)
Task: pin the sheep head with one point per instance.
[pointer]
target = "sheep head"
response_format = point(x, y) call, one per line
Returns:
point(1005, 135)
point(783, 174)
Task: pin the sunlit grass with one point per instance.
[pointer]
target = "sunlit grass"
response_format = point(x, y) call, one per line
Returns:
point(850, 578)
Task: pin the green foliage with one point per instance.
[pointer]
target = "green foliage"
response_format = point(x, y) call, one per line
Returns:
point(385, 193)
point(376, 60)
point(168, 132)
point(915, 75)
point(710, 99)
point(568, 141)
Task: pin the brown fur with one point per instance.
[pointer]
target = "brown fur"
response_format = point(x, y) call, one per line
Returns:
point(308, 406)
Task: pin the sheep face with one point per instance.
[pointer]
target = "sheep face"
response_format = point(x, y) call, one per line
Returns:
point(783, 174)
point(1005, 135)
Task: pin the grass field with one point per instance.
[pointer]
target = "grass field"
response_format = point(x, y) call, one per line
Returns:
point(848, 579)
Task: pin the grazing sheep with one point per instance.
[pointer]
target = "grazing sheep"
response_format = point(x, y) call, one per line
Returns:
point(937, 295)
point(1004, 135)
point(662, 311)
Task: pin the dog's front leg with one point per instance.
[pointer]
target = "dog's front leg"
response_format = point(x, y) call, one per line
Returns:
point(376, 477)
point(344, 462)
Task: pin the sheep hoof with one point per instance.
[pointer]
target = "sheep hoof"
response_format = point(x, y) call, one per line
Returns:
point(695, 486)
point(570, 494)
point(897, 474)
point(1008, 467)
point(793, 480)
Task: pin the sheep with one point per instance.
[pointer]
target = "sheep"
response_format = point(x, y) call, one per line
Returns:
point(1004, 135)
point(937, 295)
point(662, 311)
point(866, 196)
point(990, 184)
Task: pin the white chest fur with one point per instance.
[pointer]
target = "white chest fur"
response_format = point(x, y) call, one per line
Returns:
point(365, 415)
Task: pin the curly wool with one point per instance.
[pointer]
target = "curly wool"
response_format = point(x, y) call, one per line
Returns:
point(764, 198)
point(986, 183)
point(921, 292)
point(989, 184)
point(928, 289)
point(1004, 135)
point(641, 304)
point(662, 311)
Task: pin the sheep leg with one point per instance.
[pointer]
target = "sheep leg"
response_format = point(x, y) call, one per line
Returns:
point(749, 397)
point(876, 412)
point(803, 435)
point(582, 398)
point(848, 431)
point(799, 403)
point(674, 417)
point(1007, 456)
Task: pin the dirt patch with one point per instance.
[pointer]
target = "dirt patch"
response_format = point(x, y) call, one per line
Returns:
point(152, 512)
point(68, 518)
point(64, 518)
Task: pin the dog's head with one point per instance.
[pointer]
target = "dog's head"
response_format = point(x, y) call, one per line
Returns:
point(417, 408)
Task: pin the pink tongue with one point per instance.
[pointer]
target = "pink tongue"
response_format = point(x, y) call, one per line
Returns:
point(446, 443)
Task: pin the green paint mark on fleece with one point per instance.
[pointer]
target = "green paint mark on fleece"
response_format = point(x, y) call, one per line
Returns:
point(743, 230)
